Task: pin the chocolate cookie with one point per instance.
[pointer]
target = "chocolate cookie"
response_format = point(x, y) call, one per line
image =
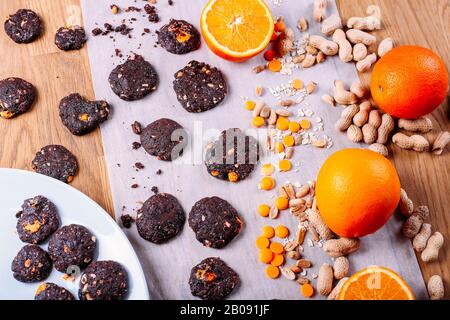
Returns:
point(232, 156)
point(31, 264)
point(16, 97)
point(134, 79)
point(57, 162)
point(70, 38)
point(24, 26)
point(38, 220)
point(215, 222)
point(161, 218)
point(104, 280)
point(213, 279)
point(51, 291)
point(82, 116)
point(160, 138)
point(199, 87)
point(72, 245)
point(179, 37)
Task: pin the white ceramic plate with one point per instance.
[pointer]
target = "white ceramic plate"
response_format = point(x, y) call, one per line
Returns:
point(73, 207)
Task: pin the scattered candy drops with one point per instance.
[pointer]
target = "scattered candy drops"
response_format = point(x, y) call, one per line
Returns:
point(305, 124)
point(289, 141)
point(250, 105)
point(272, 272)
point(267, 169)
point(294, 127)
point(268, 232)
point(282, 123)
point(275, 66)
point(307, 290)
point(279, 147)
point(282, 232)
point(278, 260)
point(258, 121)
point(266, 255)
point(267, 183)
point(282, 203)
point(297, 84)
point(264, 210)
point(285, 165)
point(276, 248)
point(262, 242)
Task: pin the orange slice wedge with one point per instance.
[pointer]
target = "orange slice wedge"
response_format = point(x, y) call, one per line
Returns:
point(237, 30)
point(376, 283)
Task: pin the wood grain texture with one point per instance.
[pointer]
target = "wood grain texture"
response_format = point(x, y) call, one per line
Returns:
point(55, 75)
point(425, 177)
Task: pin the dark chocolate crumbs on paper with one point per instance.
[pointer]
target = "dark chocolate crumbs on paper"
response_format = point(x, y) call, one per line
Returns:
point(134, 186)
point(127, 221)
point(155, 190)
point(136, 127)
point(136, 145)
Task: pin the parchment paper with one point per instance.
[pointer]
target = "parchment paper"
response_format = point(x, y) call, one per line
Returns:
point(167, 267)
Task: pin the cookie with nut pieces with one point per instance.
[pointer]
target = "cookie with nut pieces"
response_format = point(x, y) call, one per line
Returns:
point(82, 116)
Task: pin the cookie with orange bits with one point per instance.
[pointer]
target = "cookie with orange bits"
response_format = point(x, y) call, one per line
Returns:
point(215, 222)
point(179, 37)
point(213, 279)
point(233, 156)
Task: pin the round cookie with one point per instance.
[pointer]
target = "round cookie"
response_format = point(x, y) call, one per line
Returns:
point(31, 264)
point(70, 38)
point(134, 79)
point(156, 139)
point(51, 291)
point(24, 26)
point(179, 37)
point(38, 220)
point(72, 245)
point(161, 218)
point(104, 280)
point(213, 279)
point(57, 162)
point(232, 157)
point(215, 222)
point(82, 116)
point(16, 97)
point(199, 87)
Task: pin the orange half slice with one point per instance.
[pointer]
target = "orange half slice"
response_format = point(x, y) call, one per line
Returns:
point(237, 30)
point(376, 283)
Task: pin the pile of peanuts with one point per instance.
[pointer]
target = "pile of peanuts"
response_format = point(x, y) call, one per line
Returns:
point(424, 240)
point(355, 43)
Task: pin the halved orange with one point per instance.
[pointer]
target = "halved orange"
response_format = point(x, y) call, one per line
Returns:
point(376, 283)
point(237, 30)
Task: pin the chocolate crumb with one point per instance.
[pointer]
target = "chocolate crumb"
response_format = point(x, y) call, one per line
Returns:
point(139, 165)
point(170, 2)
point(152, 14)
point(97, 32)
point(127, 221)
point(155, 190)
point(18, 214)
point(134, 186)
point(136, 127)
point(159, 172)
point(136, 145)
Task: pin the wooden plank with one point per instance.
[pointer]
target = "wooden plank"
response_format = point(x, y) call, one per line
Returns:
point(55, 74)
point(425, 177)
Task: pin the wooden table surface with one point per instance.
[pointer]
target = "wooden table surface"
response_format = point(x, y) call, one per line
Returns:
point(56, 74)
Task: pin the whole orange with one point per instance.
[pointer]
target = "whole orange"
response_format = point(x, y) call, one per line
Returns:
point(357, 191)
point(409, 82)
